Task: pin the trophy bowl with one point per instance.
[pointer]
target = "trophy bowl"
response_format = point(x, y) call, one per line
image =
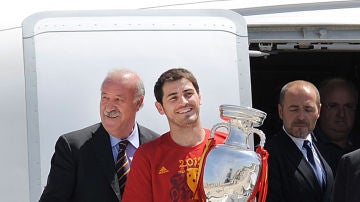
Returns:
point(232, 169)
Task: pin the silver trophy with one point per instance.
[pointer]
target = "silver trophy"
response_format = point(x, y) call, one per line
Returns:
point(232, 169)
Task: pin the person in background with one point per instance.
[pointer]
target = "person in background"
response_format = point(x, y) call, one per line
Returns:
point(339, 99)
point(168, 168)
point(347, 180)
point(297, 171)
point(83, 165)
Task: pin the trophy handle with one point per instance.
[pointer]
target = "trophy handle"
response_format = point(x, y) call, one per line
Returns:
point(217, 126)
point(261, 134)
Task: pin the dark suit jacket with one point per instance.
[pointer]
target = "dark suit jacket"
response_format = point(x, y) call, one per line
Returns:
point(82, 167)
point(347, 181)
point(331, 151)
point(291, 177)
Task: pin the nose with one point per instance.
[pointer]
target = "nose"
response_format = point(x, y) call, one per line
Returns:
point(301, 115)
point(109, 106)
point(341, 111)
point(183, 100)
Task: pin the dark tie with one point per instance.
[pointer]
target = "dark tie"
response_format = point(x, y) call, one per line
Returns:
point(310, 156)
point(122, 165)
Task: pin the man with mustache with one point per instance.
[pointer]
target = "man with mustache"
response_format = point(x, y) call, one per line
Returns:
point(83, 165)
point(297, 171)
point(168, 168)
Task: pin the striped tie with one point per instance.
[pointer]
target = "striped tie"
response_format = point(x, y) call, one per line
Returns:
point(122, 165)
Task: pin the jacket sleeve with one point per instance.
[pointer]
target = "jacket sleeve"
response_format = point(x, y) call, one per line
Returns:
point(61, 179)
point(339, 192)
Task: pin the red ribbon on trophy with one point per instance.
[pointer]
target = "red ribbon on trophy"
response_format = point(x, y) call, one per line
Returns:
point(261, 187)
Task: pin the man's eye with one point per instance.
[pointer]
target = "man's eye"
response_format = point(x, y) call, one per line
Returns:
point(349, 107)
point(172, 98)
point(310, 109)
point(332, 105)
point(337, 107)
point(188, 95)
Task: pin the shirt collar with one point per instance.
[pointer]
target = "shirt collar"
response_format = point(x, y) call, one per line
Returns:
point(133, 138)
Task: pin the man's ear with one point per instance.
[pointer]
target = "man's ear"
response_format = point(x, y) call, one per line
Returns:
point(139, 102)
point(319, 110)
point(280, 111)
point(160, 108)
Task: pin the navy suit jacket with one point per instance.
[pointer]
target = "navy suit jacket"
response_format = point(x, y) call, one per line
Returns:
point(82, 167)
point(347, 181)
point(291, 177)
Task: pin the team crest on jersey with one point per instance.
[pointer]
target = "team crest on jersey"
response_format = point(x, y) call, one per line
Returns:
point(191, 178)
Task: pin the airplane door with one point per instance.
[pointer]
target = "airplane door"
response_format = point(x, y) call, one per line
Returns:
point(67, 55)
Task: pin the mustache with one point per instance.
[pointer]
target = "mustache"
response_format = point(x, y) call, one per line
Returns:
point(298, 122)
point(112, 114)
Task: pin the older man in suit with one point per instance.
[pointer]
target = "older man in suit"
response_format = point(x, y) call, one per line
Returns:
point(83, 165)
point(297, 171)
point(334, 131)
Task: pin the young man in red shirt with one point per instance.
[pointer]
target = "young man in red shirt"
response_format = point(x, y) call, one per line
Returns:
point(168, 168)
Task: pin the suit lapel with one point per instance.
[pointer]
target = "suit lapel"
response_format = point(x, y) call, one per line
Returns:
point(298, 160)
point(309, 175)
point(103, 155)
